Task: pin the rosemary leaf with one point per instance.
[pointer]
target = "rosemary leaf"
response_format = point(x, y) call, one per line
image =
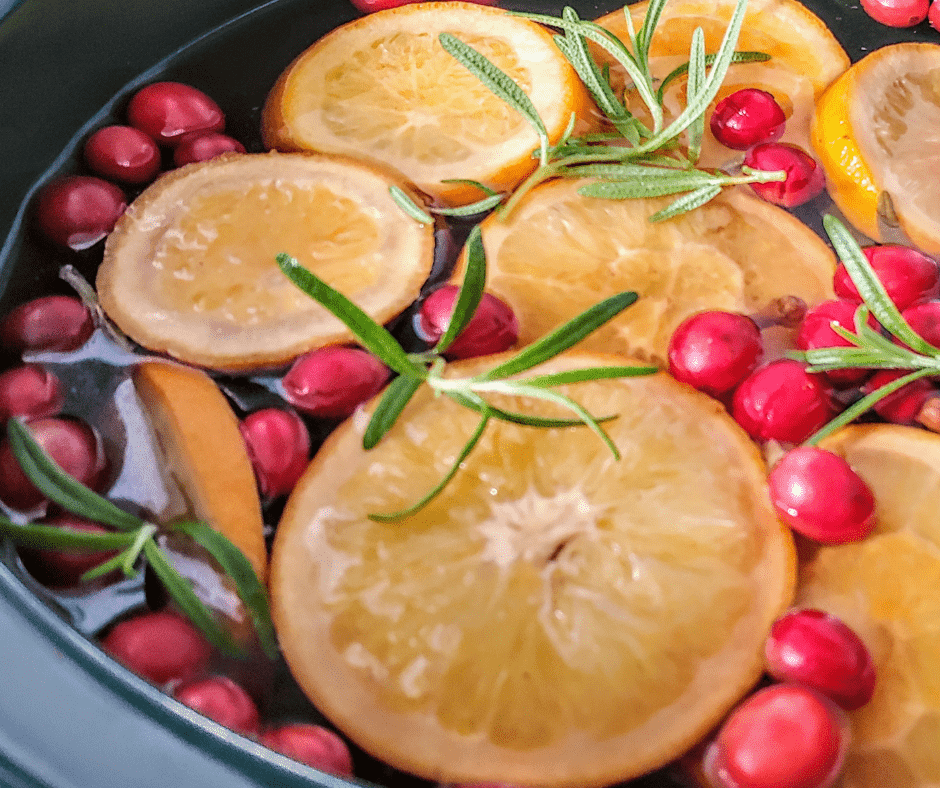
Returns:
point(688, 202)
point(471, 290)
point(472, 209)
point(59, 487)
point(409, 206)
point(740, 56)
point(475, 402)
point(588, 373)
point(397, 395)
point(693, 87)
point(370, 334)
point(64, 538)
point(467, 182)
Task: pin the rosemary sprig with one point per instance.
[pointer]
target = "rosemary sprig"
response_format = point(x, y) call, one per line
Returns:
point(505, 379)
point(135, 538)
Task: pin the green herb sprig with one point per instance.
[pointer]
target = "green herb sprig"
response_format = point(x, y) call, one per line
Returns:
point(868, 348)
point(637, 161)
point(133, 539)
point(473, 392)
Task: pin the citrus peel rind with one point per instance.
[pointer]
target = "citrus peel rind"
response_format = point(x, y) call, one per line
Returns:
point(555, 617)
point(382, 87)
point(190, 270)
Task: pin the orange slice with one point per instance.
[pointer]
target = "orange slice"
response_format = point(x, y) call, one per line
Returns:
point(190, 269)
point(204, 454)
point(555, 617)
point(805, 57)
point(383, 87)
point(874, 132)
point(559, 253)
point(886, 588)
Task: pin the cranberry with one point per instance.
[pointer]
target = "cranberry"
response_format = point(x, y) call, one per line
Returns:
point(805, 178)
point(897, 13)
point(161, 646)
point(221, 699)
point(924, 318)
point(204, 146)
point(783, 736)
point(747, 117)
point(124, 153)
point(30, 391)
point(77, 211)
point(492, 329)
point(817, 649)
point(313, 745)
point(279, 446)
point(904, 405)
point(167, 111)
point(816, 332)
point(74, 447)
point(714, 351)
point(49, 323)
point(818, 495)
point(781, 401)
point(62, 569)
point(906, 275)
point(933, 15)
point(333, 381)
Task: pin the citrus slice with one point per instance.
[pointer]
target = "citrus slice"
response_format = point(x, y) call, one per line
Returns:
point(555, 617)
point(204, 454)
point(874, 131)
point(805, 57)
point(190, 269)
point(559, 253)
point(383, 87)
point(886, 588)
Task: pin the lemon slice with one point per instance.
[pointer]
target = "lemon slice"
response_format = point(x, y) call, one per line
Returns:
point(559, 253)
point(204, 453)
point(805, 57)
point(383, 87)
point(190, 269)
point(555, 617)
point(875, 131)
point(886, 588)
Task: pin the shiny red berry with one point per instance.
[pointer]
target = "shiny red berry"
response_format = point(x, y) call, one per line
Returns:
point(906, 275)
point(924, 318)
point(57, 323)
point(816, 332)
point(278, 444)
point(492, 329)
point(30, 391)
point(904, 405)
point(222, 700)
point(805, 178)
point(62, 569)
point(333, 381)
point(897, 13)
point(313, 745)
point(167, 111)
point(123, 153)
point(77, 211)
point(204, 146)
point(747, 117)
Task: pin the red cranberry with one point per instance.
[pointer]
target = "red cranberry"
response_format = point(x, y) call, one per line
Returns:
point(169, 110)
point(492, 329)
point(161, 646)
point(933, 15)
point(817, 649)
point(222, 700)
point(714, 351)
point(62, 569)
point(313, 745)
point(30, 391)
point(124, 153)
point(74, 447)
point(783, 736)
point(818, 495)
point(904, 405)
point(747, 117)
point(924, 318)
point(333, 381)
point(279, 446)
point(204, 146)
point(805, 178)
point(906, 275)
point(816, 332)
point(897, 13)
point(781, 401)
point(77, 211)
point(56, 323)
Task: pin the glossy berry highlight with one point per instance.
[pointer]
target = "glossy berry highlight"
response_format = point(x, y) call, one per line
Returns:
point(492, 329)
point(278, 444)
point(906, 275)
point(29, 391)
point(747, 117)
point(123, 153)
point(168, 111)
point(333, 381)
point(77, 211)
point(56, 323)
point(221, 699)
point(805, 178)
point(313, 745)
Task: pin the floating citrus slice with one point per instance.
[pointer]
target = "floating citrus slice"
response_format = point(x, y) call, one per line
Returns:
point(885, 587)
point(875, 131)
point(383, 87)
point(558, 253)
point(555, 617)
point(190, 269)
point(204, 454)
point(805, 57)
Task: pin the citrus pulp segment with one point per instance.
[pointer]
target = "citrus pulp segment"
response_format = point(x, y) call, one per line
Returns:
point(559, 253)
point(190, 269)
point(384, 88)
point(875, 131)
point(885, 587)
point(204, 454)
point(805, 57)
point(555, 617)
